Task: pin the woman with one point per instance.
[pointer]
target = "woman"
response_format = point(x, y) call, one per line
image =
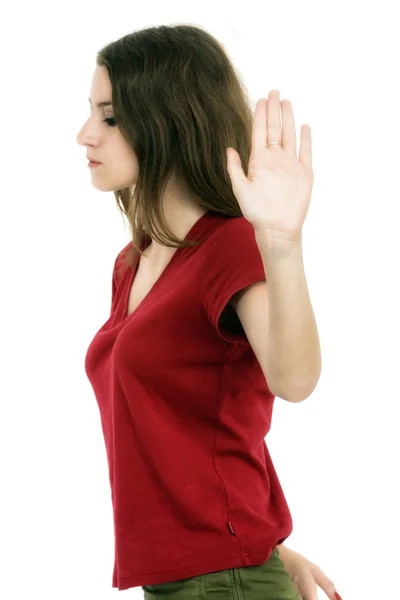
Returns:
point(180, 370)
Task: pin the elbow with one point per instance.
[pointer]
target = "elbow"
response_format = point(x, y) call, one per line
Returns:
point(294, 393)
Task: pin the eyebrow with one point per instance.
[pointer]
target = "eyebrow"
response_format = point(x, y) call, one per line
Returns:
point(100, 104)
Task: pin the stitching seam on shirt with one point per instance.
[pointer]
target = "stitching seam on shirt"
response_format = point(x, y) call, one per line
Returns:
point(219, 406)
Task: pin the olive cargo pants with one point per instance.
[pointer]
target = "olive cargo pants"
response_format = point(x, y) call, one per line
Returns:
point(269, 581)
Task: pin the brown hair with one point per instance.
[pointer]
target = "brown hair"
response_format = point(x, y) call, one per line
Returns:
point(179, 102)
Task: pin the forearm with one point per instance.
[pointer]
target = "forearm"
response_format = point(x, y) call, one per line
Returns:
point(294, 354)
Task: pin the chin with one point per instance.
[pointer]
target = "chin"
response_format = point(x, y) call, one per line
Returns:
point(103, 187)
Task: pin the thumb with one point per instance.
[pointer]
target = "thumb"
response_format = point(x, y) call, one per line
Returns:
point(236, 173)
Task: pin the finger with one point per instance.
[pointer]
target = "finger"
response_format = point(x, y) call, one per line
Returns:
point(274, 129)
point(305, 586)
point(326, 585)
point(259, 134)
point(288, 128)
point(305, 154)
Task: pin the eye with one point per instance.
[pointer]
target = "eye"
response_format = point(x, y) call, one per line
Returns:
point(110, 121)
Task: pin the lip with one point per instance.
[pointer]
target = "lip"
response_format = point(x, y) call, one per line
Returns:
point(93, 164)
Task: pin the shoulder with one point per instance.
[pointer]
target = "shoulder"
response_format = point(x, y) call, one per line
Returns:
point(120, 261)
point(232, 231)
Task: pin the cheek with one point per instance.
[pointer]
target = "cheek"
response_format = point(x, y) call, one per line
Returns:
point(125, 173)
point(132, 168)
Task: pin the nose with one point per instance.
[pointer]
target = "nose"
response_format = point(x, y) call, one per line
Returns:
point(79, 137)
point(88, 134)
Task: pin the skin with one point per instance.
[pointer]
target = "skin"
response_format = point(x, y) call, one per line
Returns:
point(119, 169)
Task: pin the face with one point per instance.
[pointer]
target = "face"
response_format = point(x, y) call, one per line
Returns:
point(104, 142)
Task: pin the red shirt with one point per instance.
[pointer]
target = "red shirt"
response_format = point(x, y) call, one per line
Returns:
point(184, 410)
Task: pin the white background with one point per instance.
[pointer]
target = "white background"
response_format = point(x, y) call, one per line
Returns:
point(336, 453)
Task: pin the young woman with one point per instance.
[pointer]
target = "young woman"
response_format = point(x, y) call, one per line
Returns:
point(186, 369)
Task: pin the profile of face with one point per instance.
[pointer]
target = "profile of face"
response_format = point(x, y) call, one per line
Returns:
point(104, 142)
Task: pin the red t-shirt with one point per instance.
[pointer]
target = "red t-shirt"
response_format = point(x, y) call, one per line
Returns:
point(184, 409)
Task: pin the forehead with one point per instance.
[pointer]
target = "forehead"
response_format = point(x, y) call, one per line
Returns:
point(101, 88)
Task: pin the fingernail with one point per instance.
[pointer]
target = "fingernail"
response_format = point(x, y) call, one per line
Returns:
point(337, 596)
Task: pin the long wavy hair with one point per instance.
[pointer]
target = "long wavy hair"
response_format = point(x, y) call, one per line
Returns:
point(179, 102)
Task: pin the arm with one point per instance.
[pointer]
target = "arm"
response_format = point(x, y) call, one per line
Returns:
point(294, 353)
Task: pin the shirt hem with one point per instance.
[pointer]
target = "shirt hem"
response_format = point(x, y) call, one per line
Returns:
point(246, 559)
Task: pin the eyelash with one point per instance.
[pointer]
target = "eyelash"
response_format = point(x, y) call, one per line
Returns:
point(113, 124)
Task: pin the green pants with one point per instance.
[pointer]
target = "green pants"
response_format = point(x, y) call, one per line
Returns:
point(269, 581)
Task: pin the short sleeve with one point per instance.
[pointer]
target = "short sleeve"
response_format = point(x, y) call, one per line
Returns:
point(233, 263)
point(116, 273)
point(115, 281)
